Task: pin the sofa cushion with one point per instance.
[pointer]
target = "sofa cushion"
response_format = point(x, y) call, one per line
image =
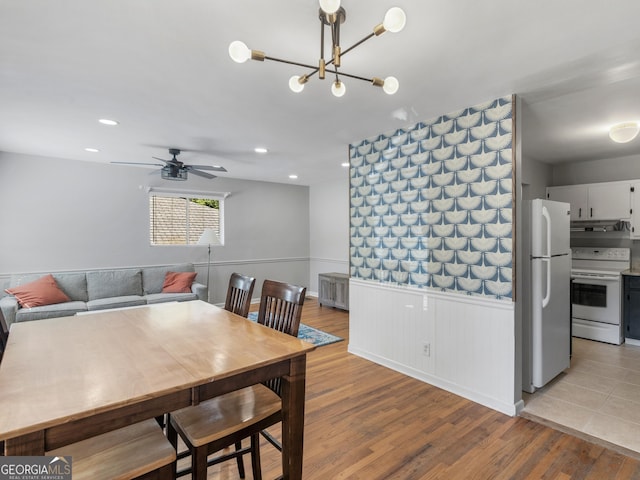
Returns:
point(178, 282)
point(114, 283)
point(153, 298)
point(153, 277)
point(116, 302)
point(50, 311)
point(43, 291)
point(74, 284)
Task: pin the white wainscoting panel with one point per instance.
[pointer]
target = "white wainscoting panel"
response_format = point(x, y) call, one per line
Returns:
point(461, 343)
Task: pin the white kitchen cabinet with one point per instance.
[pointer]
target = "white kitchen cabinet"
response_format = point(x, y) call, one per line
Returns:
point(595, 201)
point(609, 201)
point(635, 210)
point(575, 195)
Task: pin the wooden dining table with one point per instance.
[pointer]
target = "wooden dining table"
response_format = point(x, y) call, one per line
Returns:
point(66, 379)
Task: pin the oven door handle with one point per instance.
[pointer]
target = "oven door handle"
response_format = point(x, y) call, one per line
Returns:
point(594, 278)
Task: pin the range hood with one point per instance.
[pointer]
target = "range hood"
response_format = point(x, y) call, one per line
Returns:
point(599, 226)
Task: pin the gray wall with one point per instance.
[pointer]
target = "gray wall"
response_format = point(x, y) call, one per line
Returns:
point(329, 226)
point(537, 176)
point(594, 171)
point(60, 215)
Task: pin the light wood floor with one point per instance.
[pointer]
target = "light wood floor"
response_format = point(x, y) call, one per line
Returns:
point(364, 421)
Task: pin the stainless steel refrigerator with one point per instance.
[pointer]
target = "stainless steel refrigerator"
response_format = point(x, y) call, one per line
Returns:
point(550, 317)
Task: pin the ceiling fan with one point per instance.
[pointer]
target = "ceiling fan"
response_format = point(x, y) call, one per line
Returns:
point(174, 169)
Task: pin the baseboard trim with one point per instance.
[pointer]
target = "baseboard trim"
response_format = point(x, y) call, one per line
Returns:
point(494, 404)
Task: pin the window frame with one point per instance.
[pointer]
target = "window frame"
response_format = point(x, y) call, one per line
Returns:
point(188, 195)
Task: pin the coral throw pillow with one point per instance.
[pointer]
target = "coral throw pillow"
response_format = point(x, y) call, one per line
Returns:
point(44, 291)
point(178, 282)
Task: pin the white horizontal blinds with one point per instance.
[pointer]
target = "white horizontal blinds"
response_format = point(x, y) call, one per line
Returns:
point(179, 218)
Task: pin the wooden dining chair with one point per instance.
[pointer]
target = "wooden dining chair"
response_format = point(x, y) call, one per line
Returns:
point(239, 294)
point(4, 334)
point(226, 420)
point(140, 451)
point(4, 338)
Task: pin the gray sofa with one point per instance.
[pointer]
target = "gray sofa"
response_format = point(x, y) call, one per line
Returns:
point(101, 289)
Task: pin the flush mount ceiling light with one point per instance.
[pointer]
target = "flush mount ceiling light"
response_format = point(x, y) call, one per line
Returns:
point(331, 15)
point(624, 132)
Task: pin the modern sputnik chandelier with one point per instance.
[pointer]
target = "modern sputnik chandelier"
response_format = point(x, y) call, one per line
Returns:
point(331, 15)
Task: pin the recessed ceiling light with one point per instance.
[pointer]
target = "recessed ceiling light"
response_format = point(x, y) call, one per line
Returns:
point(260, 150)
point(344, 164)
point(106, 121)
point(293, 177)
point(92, 150)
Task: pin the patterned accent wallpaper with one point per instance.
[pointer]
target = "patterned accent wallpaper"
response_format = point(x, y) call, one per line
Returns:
point(431, 205)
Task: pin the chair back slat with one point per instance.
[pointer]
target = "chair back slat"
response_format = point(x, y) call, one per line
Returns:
point(281, 309)
point(239, 294)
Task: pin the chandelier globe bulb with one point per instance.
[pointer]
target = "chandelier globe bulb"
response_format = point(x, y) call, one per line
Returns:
point(329, 6)
point(295, 85)
point(338, 88)
point(391, 85)
point(394, 20)
point(239, 52)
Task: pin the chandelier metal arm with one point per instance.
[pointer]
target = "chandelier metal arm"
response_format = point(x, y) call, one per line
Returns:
point(314, 69)
point(358, 43)
point(304, 65)
point(357, 77)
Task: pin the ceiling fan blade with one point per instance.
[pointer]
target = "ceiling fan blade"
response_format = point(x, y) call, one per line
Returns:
point(162, 160)
point(215, 168)
point(201, 174)
point(139, 163)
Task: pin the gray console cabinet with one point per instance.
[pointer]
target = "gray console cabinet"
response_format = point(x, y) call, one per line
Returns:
point(333, 290)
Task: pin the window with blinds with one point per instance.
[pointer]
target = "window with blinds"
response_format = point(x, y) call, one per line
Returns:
point(176, 219)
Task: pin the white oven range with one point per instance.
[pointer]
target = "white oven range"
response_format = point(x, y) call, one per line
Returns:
point(596, 292)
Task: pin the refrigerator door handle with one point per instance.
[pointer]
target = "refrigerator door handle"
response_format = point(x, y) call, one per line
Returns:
point(547, 219)
point(547, 295)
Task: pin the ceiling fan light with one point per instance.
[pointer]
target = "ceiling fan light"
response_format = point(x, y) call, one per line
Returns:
point(239, 52)
point(624, 132)
point(390, 85)
point(394, 20)
point(338, 88)
point(329, 6)
point(168, 173)
point(296, 83)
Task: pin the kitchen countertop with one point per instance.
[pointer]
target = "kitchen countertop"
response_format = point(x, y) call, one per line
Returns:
point(632, 272)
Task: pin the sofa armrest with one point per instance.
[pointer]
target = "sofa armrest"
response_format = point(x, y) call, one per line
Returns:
point(9, 306)
point(200, 290)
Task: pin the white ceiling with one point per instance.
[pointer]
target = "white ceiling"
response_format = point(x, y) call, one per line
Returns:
point(161, 68)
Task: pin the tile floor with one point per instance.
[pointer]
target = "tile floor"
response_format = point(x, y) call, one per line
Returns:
point(597, 398)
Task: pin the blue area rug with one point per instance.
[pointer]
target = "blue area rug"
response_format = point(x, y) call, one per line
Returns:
point(308, 334)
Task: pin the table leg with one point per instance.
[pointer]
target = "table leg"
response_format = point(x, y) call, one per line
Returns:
point(293, 386)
